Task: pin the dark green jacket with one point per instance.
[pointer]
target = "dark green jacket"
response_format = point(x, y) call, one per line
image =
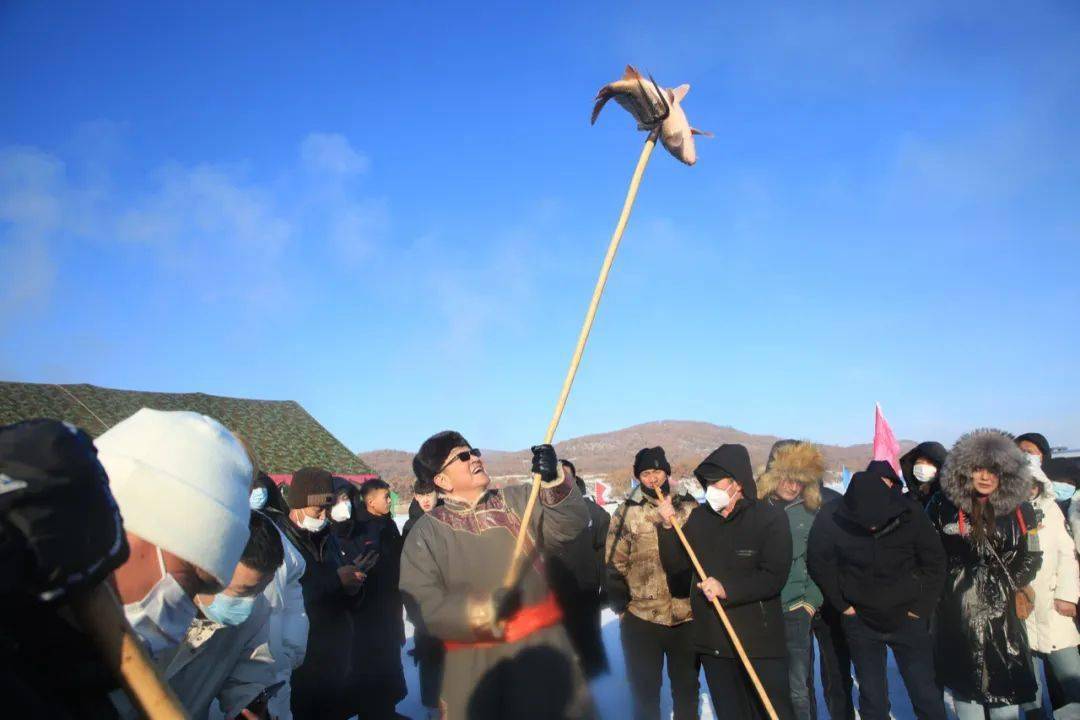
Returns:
point(799, 587)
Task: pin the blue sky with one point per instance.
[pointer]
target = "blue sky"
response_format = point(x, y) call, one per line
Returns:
point(394, 213)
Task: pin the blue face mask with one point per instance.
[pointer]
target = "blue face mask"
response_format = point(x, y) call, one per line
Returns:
point(229, 609)
point(257, 499)
point(1063, 491)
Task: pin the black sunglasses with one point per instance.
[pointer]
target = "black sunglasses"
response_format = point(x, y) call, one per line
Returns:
point(463, 456)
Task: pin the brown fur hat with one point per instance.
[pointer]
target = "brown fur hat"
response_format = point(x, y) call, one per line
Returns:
point(799, 461)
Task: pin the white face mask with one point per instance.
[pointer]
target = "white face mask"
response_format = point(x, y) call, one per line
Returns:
point(341, 512)
point(924, 473)
point(1034, 461)
point(162, 617)
point(311, 524)
point(718, 499)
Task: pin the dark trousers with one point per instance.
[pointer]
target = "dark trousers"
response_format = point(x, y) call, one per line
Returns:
point(914, 651)
point(800, 659)
point(645, 646)
point(581, 618)
point(836, 682)
point(733, 693)
point(429, 654)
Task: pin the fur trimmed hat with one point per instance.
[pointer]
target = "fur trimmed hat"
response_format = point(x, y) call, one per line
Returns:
point(432, 454)
point(794, 460)
point(986, 449)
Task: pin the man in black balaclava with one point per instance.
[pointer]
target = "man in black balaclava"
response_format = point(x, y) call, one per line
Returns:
point(877, 558)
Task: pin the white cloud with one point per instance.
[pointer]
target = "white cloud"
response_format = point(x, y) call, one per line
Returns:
point(208, 227)
point(32, 188)
point(332, 154)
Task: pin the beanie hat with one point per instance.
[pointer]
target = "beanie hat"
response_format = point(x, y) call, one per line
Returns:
point(1038, 440)
point(312, 486)
point(423, 487)
point(182, 482)
point(432, 454)
point(651, 459)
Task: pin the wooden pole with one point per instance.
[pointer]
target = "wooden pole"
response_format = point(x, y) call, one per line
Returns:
point(723, 617)
point(583, 337)
point(100, 615)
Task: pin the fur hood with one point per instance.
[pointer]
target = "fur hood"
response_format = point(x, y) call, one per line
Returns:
point(799, 461)
point(992, 450)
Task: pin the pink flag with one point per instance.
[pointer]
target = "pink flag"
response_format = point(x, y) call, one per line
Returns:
point(600, 490)
point(885, 445)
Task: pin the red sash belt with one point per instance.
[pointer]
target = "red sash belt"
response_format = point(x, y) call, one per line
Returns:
point(521, 624)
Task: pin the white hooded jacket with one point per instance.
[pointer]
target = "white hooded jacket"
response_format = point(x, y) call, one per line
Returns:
point(1057, 579)
point(288, 624)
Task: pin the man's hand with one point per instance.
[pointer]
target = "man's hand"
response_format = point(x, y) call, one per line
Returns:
point(351, 578)
point(1066, 608)
point(913, 616)
point(506, 601)
point(850, 611)
point(712, 589)
point(544, 462)
point(667, 511)
point(257, 710)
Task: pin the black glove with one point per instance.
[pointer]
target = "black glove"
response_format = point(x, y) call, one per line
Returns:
point(507, 601)
point(545, 464)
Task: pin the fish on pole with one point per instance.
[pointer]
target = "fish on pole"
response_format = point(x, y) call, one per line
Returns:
point(736, 643)
point(659, 111)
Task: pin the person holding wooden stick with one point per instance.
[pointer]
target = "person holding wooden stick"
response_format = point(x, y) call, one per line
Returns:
point(653, 607)
point(744, 547)
point(507, 653)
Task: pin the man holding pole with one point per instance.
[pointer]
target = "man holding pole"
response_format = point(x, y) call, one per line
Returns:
point(744, 549)
point(653, 607)
point(507, 654)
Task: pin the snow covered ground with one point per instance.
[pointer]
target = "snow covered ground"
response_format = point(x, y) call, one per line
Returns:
point(612, 696)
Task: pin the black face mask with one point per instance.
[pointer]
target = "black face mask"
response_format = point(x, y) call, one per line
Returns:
point(666, 488)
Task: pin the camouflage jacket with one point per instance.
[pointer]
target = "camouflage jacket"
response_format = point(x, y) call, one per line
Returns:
point(636, 579)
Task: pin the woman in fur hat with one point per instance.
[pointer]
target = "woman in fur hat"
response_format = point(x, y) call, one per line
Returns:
point(989, 532)
point(792, 481)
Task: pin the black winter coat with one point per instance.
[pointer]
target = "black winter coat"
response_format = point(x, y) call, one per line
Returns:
point(415, 513)
point(981, 649)
point(884, 573)
point(749, 552)
point(328, 660)
point(377, 612)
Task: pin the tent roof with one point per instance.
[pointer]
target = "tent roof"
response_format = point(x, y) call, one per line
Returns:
point(283, 435)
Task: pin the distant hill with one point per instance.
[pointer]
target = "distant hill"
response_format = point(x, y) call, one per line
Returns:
point(611, 455)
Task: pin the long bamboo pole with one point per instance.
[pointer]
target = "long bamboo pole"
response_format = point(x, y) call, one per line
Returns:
point(723, 617)
point(583, 337)
point(100, 615)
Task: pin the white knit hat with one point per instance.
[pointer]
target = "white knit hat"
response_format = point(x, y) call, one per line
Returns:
point(182, 482)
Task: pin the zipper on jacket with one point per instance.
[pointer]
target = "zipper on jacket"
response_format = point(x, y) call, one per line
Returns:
point(764, 618)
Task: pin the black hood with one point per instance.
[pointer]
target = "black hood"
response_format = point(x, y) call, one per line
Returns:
point(935, 452)
point(415, 511)
point(731, 461)
point(869, 503)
